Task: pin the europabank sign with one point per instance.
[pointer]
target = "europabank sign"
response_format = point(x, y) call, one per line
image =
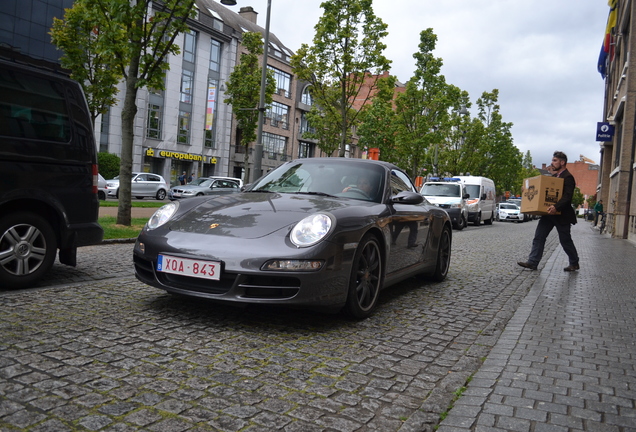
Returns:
point(604, 131)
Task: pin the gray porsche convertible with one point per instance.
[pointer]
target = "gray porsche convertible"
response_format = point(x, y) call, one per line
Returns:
point(322, 233)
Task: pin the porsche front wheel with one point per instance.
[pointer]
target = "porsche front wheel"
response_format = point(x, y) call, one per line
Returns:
point(366, 278)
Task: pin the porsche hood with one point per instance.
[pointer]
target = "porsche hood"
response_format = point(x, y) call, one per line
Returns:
point(251, 214)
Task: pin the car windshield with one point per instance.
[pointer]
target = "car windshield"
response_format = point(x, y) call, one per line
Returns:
point(508, 206)
point(440, 190)
point(473, 191)
point(356, 180)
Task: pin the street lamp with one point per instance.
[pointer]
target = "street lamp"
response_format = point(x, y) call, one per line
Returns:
point(258, 149)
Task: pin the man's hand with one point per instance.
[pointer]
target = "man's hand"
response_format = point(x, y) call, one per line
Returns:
point(552, 210)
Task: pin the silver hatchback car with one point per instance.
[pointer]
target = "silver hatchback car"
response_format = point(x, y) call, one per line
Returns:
point(206, 186)
point(143, 185)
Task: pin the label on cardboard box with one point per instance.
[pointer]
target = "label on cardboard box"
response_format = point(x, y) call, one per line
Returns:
point(539, 193)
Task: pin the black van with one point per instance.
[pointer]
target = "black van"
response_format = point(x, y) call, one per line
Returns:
point(48, 170)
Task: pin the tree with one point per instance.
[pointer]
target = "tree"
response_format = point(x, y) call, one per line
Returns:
point(422, 110)
point(84, 55)
point(347, 50)
point(577, 198)
point(377, 128)
point(500, 159)
point(138, 35)
point(243, 90)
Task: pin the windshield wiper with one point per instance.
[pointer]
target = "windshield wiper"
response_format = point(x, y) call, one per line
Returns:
point(260, 191)
point(315, 193)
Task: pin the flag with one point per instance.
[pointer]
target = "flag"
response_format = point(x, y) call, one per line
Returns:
point(607, 47)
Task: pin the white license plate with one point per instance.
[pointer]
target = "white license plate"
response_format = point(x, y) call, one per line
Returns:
point(189, 267)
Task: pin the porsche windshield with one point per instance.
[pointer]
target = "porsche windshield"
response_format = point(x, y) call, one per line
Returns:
point(357, 181)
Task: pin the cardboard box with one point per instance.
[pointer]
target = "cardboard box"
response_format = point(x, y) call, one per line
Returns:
point(539, 193)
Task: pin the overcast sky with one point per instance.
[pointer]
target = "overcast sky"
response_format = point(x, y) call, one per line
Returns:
point(540, 54)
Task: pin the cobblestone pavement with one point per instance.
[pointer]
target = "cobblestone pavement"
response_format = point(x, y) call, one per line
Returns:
point(566, 361)
point(94, 349)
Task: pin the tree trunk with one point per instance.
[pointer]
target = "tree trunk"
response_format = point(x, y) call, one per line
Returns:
point(127, 143)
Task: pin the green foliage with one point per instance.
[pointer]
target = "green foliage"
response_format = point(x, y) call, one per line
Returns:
point(577, 198)
point(243, 90)
point(500, 159)
point(378, 124)
point(108, 164)
point(85, 55)
point(347, 49)
point(422, 111)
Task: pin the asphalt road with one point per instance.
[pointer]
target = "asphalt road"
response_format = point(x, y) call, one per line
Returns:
point(92, 348)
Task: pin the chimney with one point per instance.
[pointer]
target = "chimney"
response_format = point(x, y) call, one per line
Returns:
point(248, 13)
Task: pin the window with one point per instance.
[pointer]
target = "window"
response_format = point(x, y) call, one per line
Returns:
point(33, 107)
point(274, 144)
point(190, 46)
point(215, 55)
point(187, 81)
point(305, 127)
point(183, 136)
point(400, 182)
point(306, 97)
point(283, 81)
point(305, 150)
point(279, 114)
point(153, 127)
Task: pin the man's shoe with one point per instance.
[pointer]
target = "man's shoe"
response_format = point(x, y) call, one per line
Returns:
point(527, 265)
point(571, 267)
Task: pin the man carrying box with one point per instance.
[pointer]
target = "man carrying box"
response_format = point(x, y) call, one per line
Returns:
point(560, 215)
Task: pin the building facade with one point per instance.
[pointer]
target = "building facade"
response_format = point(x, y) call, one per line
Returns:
point(616, 185)
point(188, 126)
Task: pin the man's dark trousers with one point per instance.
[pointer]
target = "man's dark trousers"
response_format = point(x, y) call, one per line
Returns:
point(544, 227)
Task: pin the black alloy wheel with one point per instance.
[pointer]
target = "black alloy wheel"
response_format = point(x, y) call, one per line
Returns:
point(443, 256)
point(366, 278)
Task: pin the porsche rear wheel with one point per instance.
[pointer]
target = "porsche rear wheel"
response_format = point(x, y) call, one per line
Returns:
point(366, 278)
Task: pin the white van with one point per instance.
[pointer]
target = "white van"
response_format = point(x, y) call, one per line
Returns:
point(481, 202)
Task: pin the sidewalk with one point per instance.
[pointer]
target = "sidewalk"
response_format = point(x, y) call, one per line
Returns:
point(566, 360)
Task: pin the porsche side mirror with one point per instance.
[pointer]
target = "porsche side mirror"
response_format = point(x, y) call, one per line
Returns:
point(407, 197)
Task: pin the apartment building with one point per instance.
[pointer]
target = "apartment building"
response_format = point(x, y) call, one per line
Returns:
point(616, 184)
point(188, 126)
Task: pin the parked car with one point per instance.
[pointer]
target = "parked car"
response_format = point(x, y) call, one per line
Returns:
point(143, 185)
point(206, 186)
point(508, 212)
point(102, 187)
point(525, 217)
point(48, 170)
point(449, 194)
point(307, 234)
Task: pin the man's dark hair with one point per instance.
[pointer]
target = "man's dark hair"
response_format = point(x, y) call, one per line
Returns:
point(560, 155)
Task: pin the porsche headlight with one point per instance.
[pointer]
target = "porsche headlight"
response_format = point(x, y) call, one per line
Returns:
point(162, 215)
point(311, 230)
